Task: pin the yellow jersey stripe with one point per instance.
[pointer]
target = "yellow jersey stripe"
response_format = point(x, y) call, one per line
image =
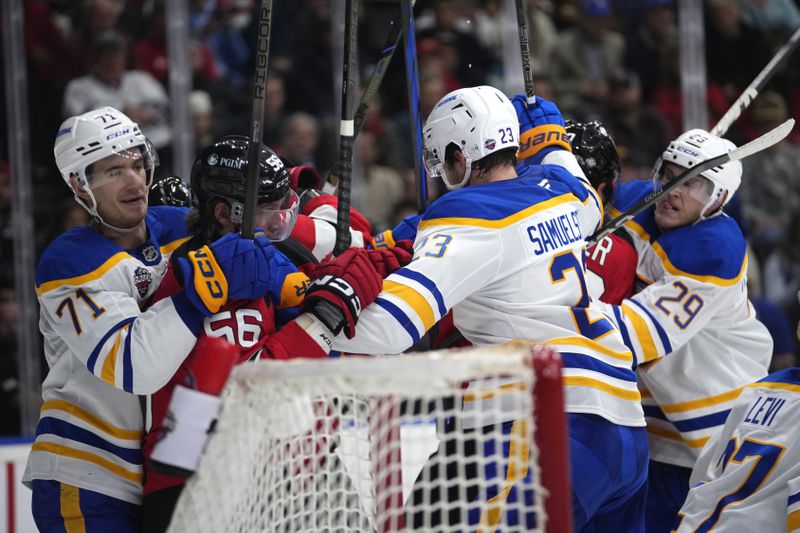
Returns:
point(66, 451)
point(675, 271)
point(593, 345)
point(71, 509)
point(487, 393)
point(414, 299)
point(518, 454)
point(582, 381)
point(78, 412)
point(674, 435)
point(97, 273)
point(793, 521)
point(503, 222)
point(775, 386)
point(631, 224)
point(642, 333)
point(109, 370)
point(702, 402)
point(170, 247)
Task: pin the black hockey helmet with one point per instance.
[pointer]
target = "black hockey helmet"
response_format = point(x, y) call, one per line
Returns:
point(596, 153)
point(220, 170)
point(170, 190)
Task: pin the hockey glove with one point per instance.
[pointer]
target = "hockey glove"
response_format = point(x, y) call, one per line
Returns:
point(405, 230)
point(541, 129)
point(231, 268)
point(387, 260)
point(342, 288)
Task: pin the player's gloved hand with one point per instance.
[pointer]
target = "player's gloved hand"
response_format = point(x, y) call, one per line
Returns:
point(343, 286)
point(387, 260)
point(541, 129)
point(231, 268)
point(405, 230)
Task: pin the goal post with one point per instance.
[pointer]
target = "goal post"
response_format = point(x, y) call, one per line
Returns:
point(468, 439)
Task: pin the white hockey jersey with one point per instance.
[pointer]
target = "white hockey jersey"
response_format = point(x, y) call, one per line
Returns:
point(102, 351)
point(507, 257)
point(748, 477)
point(694, 307)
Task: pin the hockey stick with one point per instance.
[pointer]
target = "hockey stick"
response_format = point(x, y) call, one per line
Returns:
point(257, 120)
point(412, 89)
point(751, 92)
point(370, 92)
point(527, 67)
point(346, 129)
point(761, 143)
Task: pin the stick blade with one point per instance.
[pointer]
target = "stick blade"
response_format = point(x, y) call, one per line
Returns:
point(765, 141)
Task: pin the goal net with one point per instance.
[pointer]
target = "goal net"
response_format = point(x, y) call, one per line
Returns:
point(454, 440)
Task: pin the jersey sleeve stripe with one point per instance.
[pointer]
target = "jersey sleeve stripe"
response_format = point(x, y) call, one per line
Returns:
point(689, 424)
point(623, 329)
point(66, 451)
point(109, 371)
point(674, 435)
point(92, 361)
point(428, 284)
point(649, 350)
point(60, 428)
point(577, 360)
point(127, 362)
point(588, 343)
point(503, 222)
point(414, 299)
point(77, 281)
point(653, 411)
point(172, 246)
point(793, 498)
point(583, 381)
point(662, 335)
point(775, 386)
point(702, 402)
point(631, 224)
point(715, 280)
point(402, 318)
point(793, 522)
point(86, 416)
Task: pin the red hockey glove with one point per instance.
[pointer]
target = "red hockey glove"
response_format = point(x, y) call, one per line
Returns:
point(341, 289)
point(387, 260)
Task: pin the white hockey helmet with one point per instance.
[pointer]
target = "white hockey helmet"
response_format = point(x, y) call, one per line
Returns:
point(694, 147)
point(479, 120)
point(85, 139)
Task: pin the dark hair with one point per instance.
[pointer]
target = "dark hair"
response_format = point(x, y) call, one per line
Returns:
point(500, 158)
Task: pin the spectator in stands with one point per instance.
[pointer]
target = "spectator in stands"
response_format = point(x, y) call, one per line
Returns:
point(274, 108)
point(93, 18)
point(773, 317)
point(648, 40)
point(782, 270)
point(202, 111)
point(150, 53)
point(110, 83)
point(770, 15)
point(382, 185)
point(583, 59)
point(299, 139)
point(6, 229)
point(221, 25)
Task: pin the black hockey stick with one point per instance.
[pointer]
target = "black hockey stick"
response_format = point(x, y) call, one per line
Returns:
point(346, 129)
point(751, 92)
point(375, 80)
point(412, 89)
point(257, 120)
point(524, 47)
point(754, 146)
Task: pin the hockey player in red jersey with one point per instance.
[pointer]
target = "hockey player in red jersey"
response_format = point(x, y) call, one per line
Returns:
point(611, 263)
point(329, 303)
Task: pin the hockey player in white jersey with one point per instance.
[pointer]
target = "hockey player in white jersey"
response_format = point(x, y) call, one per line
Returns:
point(505, 252)
point(692, 330)
point(748, 477)
point(85, 467)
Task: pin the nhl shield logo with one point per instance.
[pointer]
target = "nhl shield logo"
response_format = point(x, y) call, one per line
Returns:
point(213, 159)
point(142, 278)
point(149, 253)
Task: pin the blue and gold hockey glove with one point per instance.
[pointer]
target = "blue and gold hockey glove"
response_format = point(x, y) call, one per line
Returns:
point(406, 230)
point(231, 268)
point(541, 129)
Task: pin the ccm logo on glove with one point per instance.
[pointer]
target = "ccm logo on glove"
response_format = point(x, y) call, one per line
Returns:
point(341, 285)
point(209, 281)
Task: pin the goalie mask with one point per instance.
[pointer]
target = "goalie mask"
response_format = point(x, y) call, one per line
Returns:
point(596, 153)
point(84, 140)
point(478, 120)
point(220, 171)
point(692, 148)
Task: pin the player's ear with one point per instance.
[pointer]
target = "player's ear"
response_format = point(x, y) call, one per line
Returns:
point(222, 213)
point(80, 192)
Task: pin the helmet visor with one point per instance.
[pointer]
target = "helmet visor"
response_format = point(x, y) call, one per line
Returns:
point(139, 161)
point(698, 187)
point(277, 218)
point(434, 165)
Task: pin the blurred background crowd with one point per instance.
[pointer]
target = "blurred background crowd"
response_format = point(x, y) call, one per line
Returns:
point(616, 61)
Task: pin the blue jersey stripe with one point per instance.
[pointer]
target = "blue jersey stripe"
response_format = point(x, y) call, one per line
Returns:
point(794, 498)
point(654, 411)
point(54, 426)
point(428, 284)
point(402, 318)
point(788, 375)
point(690, 424)
point(662, 335)
point(626, 338)
point(127, 362)
point(586, 362)
point(96, 352)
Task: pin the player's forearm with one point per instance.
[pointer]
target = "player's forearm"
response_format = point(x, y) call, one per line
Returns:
point(378, 332)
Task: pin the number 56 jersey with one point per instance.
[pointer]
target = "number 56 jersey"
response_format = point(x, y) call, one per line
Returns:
point(748, 478)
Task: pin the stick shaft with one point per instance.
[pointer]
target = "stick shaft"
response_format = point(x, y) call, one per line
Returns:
point(524, 46)
point(412, 89)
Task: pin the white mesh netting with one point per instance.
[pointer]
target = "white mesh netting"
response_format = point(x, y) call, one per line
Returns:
point(440, 441)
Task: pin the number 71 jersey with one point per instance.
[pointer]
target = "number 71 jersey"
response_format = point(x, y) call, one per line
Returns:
point(748, 479)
